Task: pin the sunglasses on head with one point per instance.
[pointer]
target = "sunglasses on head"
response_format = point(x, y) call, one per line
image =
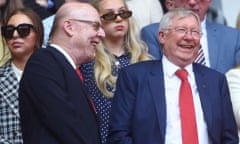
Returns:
point(111, 16)
point(22, 29)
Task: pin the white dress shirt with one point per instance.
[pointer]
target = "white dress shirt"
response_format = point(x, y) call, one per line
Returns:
point(67, 56)
point(172, 87)
point(17, 72)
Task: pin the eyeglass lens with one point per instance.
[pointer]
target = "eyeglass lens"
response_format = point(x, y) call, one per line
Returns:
point(96, 25)
point(111, 16)
point(22, 29)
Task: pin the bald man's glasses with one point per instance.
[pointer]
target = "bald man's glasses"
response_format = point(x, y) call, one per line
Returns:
point(96, 25)
point(124, 14)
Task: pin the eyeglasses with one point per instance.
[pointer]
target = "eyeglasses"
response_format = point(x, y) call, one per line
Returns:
point(195, 0)
point(196, 34)
point(22, 29)
point(96, 25)
point(124, 14)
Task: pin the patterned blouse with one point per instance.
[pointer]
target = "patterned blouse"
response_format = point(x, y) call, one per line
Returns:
point(102, 103)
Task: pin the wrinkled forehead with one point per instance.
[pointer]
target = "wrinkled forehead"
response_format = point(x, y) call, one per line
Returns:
point(78, 10)
point(184, 19)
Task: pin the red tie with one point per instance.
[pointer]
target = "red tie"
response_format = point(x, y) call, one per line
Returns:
point(187, 113)
point(79, 73)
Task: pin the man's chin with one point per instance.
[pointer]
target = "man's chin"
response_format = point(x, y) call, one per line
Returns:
point(90, 57)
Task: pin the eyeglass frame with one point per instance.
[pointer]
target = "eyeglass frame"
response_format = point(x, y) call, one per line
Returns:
point(195, 0)
point(96, 25)
point(184, 31)
point(4, 28)
point(120, 13)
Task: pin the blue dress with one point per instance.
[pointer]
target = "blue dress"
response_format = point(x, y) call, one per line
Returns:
point(102, 103)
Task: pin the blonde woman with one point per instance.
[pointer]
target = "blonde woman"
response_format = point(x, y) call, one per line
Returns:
point(233, 78)
point(121, 47)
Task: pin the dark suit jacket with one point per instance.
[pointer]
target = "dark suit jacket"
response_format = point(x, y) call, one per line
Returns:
point(54, 105)
point(139, 107)
point(223, 45)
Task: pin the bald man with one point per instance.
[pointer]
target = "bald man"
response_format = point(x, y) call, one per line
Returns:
point(55, 107)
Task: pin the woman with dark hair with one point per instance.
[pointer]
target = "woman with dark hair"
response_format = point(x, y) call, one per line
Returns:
point(23, 33)
point(6, 7)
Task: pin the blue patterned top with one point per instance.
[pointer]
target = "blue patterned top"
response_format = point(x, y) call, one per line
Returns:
point(102, 103)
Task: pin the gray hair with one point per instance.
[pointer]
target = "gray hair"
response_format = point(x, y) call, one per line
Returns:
point(166, 20)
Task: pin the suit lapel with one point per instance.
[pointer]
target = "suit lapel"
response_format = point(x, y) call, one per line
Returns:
point(156, 85)
point(9, 88)
point(204, 94)
point(77, 86)
point(212, 44)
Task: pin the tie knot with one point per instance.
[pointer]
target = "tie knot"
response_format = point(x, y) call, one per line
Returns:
point(182, 74)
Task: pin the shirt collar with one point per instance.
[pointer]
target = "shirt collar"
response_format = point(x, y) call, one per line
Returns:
point(67, 56)
point(170, 68)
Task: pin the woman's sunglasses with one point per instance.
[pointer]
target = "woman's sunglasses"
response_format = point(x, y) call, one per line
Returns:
point(111, 16)
point(22, 29)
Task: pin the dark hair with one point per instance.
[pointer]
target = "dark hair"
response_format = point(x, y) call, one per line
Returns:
point(36, 20)
point(8, 8)
point(5, 11)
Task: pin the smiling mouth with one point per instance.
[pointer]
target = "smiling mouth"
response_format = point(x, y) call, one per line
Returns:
point(187, 46)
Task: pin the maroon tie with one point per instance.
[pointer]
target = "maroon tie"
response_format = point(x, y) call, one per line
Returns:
point(187, 113)
point(79, 73)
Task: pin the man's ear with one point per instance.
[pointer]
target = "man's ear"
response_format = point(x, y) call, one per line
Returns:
point(161, 37)
point(68, 28)
point(169, 4)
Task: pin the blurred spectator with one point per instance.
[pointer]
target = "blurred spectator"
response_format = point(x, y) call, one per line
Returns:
point(163, 5)
point(44, 8)
point(23, 33)
point(238, 21)
point(215, 12)
point(6, 7)
point(145, 12)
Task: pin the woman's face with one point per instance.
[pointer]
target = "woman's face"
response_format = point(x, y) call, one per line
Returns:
point(117, 27)
point(22, 42)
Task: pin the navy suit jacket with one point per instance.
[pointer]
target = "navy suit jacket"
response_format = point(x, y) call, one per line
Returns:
point(223, 45)
point(139, 107)
point(54, 105)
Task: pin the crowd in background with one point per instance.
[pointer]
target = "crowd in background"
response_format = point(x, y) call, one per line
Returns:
point(94, 43)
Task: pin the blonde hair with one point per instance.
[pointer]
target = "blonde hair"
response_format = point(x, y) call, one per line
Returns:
point(104, 60)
